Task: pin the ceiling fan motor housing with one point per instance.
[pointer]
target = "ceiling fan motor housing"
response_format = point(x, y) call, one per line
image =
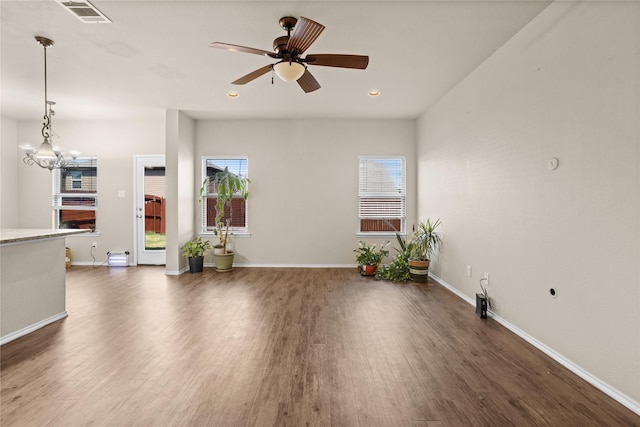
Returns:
point(280, 44)
point(287, 23)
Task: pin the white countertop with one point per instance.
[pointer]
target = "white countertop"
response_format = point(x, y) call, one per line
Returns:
point(13, 235)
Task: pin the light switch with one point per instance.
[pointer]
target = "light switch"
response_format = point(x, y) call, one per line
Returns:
point(120, 193)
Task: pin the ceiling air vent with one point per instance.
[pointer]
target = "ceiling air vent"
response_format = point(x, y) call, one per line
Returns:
point(85, 11)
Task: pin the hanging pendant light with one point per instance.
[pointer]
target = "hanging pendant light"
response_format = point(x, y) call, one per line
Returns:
point(46, 155)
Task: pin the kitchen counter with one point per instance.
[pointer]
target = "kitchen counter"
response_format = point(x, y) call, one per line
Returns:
point(32, 279)
point(14, 235)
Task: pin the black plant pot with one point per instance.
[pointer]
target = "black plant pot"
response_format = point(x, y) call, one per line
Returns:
point(196, 265)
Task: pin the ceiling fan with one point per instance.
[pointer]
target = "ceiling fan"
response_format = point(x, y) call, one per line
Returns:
point(288, 50)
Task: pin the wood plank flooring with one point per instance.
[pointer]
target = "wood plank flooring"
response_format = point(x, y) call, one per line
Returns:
point(282, 347)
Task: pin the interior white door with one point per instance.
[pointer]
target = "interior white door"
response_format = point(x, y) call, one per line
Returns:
point(150, 212)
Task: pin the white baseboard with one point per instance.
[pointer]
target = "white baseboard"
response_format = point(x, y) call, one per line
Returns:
point(610, 391)
point(27, 330)
point(176, 272)
point(90, 263)
point(298, 265)
point(288, 265)
point(212, 265)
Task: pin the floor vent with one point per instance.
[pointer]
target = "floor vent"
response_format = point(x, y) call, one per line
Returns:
point(85, 11)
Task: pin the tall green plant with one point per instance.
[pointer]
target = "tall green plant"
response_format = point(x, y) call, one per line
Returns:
point(226, 184)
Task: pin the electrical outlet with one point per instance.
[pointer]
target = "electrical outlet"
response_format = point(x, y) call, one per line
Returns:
point(486, 278)
point(94, 245)
point(468, 271)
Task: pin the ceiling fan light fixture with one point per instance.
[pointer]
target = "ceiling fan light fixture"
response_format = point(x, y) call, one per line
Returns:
point(289, 71)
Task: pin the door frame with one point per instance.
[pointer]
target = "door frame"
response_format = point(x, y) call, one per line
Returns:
point(138, 185)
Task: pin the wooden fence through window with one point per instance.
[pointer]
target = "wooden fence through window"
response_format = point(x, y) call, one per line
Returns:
point(154, 213)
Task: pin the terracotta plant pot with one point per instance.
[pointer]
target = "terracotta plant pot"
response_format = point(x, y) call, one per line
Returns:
point(368, 270)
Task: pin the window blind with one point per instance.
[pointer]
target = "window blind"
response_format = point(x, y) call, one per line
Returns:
point(382, 192)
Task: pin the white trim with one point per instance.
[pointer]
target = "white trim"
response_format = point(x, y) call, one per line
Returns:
point(239, 234)
point(157, 257)
point(211, 264)
point(87, 234)
point(238, 231)
point(104, 264)
point(31, 328)
point(95, 264)
point(607, 389)
point(288, 265)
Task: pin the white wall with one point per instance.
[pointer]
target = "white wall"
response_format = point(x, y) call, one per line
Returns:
point(114, 143)
point(9, 173)
point(181, 187)
point(304, 183)
point(303, 196)
point(566, 86)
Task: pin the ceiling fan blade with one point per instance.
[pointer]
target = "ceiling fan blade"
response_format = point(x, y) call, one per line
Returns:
point(253, 75)
point(236, 48)
point(335, 60)
point(308, 83)
point(304, 34)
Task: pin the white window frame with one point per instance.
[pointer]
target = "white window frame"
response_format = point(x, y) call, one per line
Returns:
point(208, 230)
point(373, 189)
point(58, 196)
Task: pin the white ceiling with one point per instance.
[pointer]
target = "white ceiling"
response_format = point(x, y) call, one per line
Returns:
point(156, 56)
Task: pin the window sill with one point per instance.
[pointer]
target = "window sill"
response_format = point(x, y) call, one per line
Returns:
point(231, 234)
point(380, 234)
point(88, 234)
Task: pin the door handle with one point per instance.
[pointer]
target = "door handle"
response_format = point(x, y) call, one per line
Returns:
point(138, 216)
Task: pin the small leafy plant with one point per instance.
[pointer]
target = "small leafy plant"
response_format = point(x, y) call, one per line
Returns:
point(195, 247)
point(368, 255)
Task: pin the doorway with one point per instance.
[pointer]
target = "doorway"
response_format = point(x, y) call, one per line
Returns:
point(150, 210)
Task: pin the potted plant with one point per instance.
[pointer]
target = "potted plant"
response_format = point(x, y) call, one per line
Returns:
point(226, 184)
point(398, 269)
point(426, 242)
point(195, 249)
point(368, 258)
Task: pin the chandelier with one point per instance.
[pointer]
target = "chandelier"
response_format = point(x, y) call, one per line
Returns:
point(47, 155)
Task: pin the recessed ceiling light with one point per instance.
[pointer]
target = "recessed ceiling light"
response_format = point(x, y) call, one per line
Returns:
point(233, 94)
point(374, 93)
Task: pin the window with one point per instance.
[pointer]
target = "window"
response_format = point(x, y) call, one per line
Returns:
point(237, 213)
point(381, 194)
point(75, 195)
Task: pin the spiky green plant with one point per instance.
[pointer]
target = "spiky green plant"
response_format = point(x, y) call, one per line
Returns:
point(426, 240)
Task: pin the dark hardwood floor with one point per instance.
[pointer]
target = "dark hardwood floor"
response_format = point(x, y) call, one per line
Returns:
point(283, 347)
